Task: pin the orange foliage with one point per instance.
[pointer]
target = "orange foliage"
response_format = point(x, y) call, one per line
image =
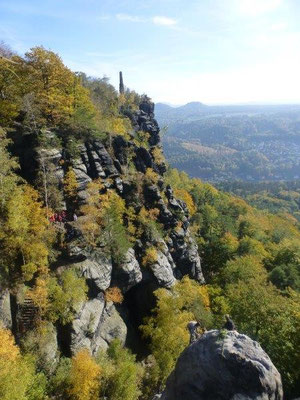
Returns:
point(114, 294)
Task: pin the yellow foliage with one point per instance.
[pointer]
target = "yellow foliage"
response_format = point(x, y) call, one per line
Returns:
point(151, 176)
point(27, 234)
point(131, 218)
point(84, 377)
point(119, 125)
point(150, 256)
point(39, 295)
point(230, 241)
point(103, 215)
point(187, 198)
point(158, 155)
point(167, 329)
point(8, 349)
point(16, 375)
point(114, 294)
point(70, 184)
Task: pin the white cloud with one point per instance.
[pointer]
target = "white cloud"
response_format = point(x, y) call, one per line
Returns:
point(280, 26)
point(157, 20)
point(165, 21)
point(130, 18)
point(253, 8)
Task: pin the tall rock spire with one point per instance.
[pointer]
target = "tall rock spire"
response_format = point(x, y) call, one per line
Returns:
point(121, 86)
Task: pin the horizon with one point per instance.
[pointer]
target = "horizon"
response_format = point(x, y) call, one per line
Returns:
point(231, 104)
point(241, 52)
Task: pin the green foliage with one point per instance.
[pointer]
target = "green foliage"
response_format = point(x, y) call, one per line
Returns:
point(242, 269)
point(167, 327)
point(64, 295)
point(121, 375)
point(260, 311)
point(242, 249)
point(59, 382)
point(36, 343)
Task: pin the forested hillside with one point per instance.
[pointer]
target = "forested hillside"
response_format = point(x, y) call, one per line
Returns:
point(100, 246)
point(277, 197)
point(251, 143)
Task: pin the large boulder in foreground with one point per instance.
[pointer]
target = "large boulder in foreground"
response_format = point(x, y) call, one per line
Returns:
point(215, 367)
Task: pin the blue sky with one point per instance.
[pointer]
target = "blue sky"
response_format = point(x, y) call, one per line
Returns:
point(214, 51)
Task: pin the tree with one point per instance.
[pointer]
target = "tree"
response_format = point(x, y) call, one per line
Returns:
point(8, 177)
point(262, 312)
point(48, 182)
point(25, 238)
point(18, 379)
point(12, 78)
point(167, 327)
point(71, 187)
point(84, 377)
point(103, 222)
point(64, 295)
point(121, 375)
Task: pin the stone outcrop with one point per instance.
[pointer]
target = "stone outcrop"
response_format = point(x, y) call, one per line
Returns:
point(97, 323)
point(5, 310)
point(128, 274)
point(218, 367)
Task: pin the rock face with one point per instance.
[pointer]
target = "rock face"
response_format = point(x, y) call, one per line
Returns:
point(96, 325)
point(233, 367)
point(5, 312)
point(121, 163)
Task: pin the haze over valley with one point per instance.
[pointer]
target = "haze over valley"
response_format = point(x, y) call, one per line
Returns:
point(242, 142)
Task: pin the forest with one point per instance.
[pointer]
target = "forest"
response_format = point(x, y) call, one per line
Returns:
point(250, 257)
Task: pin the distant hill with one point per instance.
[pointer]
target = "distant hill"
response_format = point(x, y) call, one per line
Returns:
point(246, 142)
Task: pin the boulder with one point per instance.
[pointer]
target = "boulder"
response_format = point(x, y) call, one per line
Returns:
point(128, 274)
point(97, 272)
point(111, 327)
point(85, 325)
point(163, 268)
point(96, 325)
point(184, 251)
point(218, 367)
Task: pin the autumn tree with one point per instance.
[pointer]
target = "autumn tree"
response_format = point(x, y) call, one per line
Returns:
point(167, 327)
point(71, 187)
point(18, 378)
point(103, 223)
point(84, 377)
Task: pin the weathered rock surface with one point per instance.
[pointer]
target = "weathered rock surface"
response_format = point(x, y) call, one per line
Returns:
point(96, 325)
point(163, 268)
point(5, 311)
point(48, 348)
point(230, 368)
point(97, 272)
point(128, 274)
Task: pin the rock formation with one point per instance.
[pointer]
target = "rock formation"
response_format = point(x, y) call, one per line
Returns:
point(97, 321)
point(227, 366)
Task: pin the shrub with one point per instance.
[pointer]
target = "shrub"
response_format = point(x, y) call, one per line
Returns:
point(150, 257)
point(114, 294)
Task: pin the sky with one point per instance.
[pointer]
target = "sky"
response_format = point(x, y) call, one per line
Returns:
point(176, 51)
